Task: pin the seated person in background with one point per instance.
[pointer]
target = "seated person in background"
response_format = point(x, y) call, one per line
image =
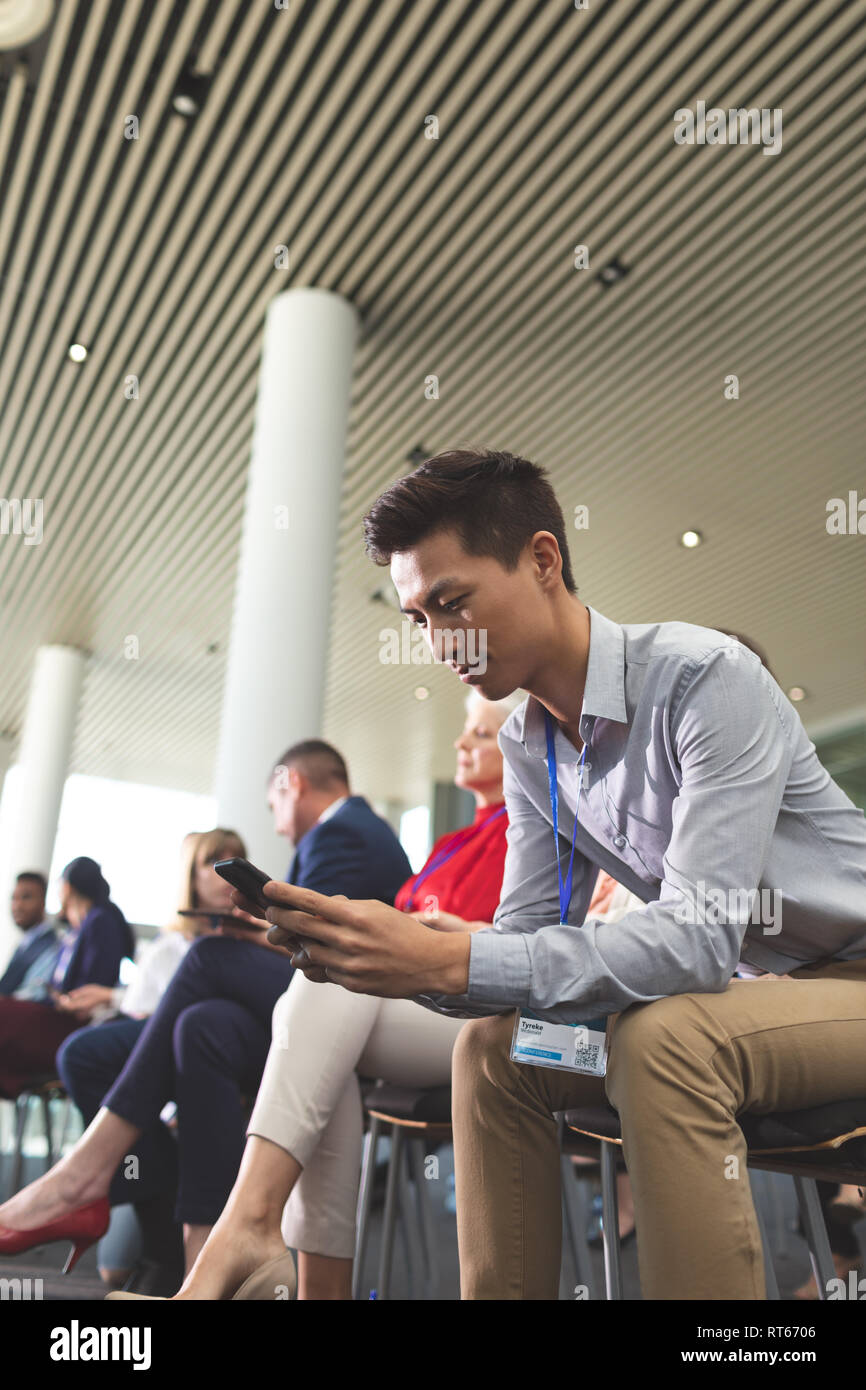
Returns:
point(92, 1058)
point(304, 1140)
point(32, 963)
point(206, 1044)
point(90, 952)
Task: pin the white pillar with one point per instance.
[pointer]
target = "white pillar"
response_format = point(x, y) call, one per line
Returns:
point(43, 763)
point(7, 748)
point(281, 620)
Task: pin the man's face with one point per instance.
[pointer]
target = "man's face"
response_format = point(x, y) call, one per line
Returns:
point(502, 614)
point(28, 904)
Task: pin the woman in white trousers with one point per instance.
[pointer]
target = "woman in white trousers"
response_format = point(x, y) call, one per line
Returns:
point(298, 1181)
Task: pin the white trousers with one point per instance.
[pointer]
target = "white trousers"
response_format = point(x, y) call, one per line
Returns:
point(309, 1100)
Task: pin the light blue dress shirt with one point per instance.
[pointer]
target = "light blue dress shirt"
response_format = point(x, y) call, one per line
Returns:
point(703, 795)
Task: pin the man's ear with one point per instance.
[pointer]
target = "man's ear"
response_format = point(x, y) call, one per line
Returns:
point(298, 783)
point(546, 558)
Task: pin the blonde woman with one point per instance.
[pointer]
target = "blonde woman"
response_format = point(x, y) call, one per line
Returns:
point(91, 1059)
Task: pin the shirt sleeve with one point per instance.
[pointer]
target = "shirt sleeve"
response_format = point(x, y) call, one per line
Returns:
point(735, 755)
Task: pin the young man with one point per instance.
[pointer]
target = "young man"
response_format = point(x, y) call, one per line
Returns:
point(700, 787)
point(28, 973)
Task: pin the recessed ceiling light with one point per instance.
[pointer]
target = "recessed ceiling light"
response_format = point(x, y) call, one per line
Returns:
point(796, 693)
point(190, 94)
point(22, 21)
point(690, 539)
point(77, 352)
point(612, 273)
point(421, 692)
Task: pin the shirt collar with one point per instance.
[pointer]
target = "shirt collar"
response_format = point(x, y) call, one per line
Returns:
point(603, 694)
point(332, 809)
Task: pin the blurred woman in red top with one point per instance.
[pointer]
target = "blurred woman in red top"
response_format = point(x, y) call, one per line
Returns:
point(464, 868)
point(302, 1159)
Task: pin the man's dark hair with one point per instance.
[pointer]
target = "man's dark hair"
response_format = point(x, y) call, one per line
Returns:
point(494, 501)
point(33, 876)
point(318, 761)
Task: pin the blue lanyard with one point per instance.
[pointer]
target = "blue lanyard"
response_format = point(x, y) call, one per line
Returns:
point(566, 884)
point(461, 838)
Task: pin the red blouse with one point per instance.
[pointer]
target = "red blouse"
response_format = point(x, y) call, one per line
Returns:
point(469, 883)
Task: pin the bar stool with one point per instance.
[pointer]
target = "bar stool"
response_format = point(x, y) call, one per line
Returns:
point(826, 1142)
point(44, 1090)
point(417, 1120)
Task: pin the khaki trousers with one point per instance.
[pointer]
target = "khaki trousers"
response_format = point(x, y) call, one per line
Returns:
point(679, 1072)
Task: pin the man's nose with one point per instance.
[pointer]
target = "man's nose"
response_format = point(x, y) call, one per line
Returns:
point(441, 642)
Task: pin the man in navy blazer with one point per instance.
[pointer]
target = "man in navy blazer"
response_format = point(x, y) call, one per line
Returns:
point(40, 941)
point(206, 1044)
point(342, 846)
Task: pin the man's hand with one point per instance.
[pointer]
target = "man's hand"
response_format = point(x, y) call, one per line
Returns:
point(255, 935)
point(365, 946)
point(447, 921)
point(250, 926)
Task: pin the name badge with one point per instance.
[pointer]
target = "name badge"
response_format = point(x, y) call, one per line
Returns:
point(575, 1047)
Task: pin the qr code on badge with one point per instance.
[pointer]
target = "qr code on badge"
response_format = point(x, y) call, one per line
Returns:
point(587, 1057)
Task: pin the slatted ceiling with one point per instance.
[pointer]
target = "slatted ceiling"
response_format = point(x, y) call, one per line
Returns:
point(556, 127)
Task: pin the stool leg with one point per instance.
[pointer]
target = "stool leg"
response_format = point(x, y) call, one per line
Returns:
point(391, 1197)
point(777, 1209)
point(425, 1219)
point(22, 1105)
point(815, 1227)
point(773, 1294)
point(409, 1222)
point(49, 1138)
point(64, 1125)
point(610, 1222)
point(574, 1214)
point(365, 1200)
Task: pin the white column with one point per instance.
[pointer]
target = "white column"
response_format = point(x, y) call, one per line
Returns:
point(280, 632)
point(7, 749)
point(43, 763)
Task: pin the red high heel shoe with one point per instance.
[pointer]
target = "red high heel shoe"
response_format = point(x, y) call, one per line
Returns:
point(83, 1227)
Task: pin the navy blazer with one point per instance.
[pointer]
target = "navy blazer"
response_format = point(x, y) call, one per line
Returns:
point(104, 938)
point(354, 852)
point(36, 940)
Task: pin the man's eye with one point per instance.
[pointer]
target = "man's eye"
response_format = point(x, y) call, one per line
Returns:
point(453, 604)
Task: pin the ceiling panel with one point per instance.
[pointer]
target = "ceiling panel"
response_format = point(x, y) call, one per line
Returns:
point(555, 129)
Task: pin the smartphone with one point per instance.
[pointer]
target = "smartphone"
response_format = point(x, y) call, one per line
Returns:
point(244, 876)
